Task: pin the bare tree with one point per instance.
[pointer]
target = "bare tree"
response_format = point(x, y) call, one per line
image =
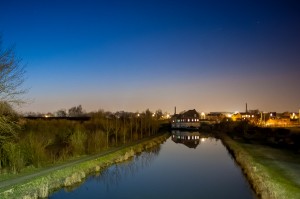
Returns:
point(11, 91)
point(61, 113)
point(76, 111)
point(11, 76)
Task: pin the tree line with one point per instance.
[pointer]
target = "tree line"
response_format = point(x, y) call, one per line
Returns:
point(40, 142)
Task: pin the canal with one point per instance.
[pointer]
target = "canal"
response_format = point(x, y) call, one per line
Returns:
point(188, 165)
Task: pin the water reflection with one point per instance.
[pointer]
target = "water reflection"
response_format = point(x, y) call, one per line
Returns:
point(112, 176)
point(191, 139)
point(202, 169)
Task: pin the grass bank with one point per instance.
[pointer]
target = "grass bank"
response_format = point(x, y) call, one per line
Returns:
point(273, 173)
point(40, 185)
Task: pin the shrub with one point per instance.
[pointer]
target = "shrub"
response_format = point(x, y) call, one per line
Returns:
point(34, 150)
point(78, 140)
point(12, 152)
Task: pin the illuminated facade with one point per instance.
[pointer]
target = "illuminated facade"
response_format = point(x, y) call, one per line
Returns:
point(186, 120)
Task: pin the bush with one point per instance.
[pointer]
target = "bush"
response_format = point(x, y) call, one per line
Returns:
point(34, 150)
point(14, 156)
point(78, 141)
point(96, 141)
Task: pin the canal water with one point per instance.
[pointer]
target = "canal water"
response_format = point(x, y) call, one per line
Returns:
point(188, 165)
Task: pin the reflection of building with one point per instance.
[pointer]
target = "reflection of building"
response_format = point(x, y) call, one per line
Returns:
point(186, 120)
point(189, 139)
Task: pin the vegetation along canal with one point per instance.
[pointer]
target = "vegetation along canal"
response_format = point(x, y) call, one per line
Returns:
point(188, 165)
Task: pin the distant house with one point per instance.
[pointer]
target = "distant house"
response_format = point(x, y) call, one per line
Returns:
point(282, 119)
point(239, 116)
point(215, 116)
point(186, 120)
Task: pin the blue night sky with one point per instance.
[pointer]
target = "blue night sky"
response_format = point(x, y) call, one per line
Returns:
point(134, 55)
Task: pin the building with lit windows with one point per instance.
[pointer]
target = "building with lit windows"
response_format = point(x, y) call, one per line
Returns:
point(186, 120)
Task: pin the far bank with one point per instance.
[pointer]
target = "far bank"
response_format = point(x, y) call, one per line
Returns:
point(272, 172)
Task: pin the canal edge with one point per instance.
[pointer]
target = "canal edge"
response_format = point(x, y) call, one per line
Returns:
point(255, 173)
point(43, 185)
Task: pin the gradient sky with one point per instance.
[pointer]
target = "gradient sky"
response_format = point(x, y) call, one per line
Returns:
point(134, 55)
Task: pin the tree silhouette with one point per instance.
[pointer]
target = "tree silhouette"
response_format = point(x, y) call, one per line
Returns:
point(11, 80)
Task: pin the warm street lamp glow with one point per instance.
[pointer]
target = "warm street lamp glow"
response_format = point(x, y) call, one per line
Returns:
point(202, 115)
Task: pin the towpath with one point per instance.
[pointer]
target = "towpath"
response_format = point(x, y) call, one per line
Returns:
point(5, 184)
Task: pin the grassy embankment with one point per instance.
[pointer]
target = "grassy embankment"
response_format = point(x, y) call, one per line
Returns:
point(272, 172)
point(42, 185)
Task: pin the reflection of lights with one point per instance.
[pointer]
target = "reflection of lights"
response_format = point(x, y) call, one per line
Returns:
point(229, 115)
point(203, 139)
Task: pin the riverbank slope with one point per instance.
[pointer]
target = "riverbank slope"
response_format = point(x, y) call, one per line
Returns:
point(42, 183)
point(273, 173)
